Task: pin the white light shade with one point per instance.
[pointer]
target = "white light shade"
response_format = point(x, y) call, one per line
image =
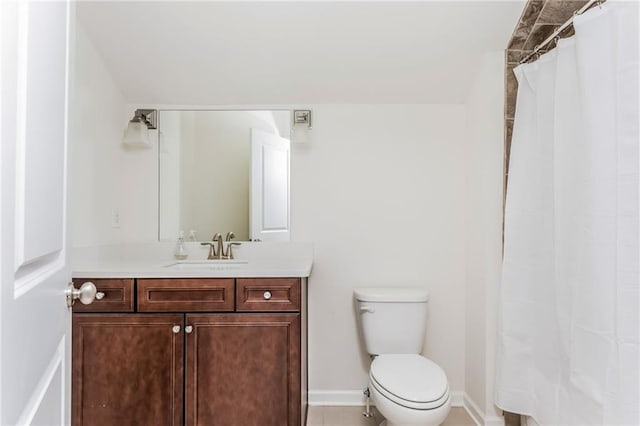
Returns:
point(137, 135)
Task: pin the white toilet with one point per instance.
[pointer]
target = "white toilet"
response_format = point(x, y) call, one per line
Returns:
point(407, 388)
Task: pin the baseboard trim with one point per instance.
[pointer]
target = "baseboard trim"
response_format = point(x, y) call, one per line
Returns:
point(478, 415)
point(355, 398)
point(473, 410)
point(493, 421)
point(336, 398)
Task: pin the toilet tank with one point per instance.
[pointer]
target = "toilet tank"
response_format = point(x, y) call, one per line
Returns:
point(392, 320)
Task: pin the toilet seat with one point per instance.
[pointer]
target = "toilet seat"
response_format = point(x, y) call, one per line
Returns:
point(410, 380)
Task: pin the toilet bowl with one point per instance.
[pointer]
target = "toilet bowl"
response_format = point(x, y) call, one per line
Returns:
point(409, 390)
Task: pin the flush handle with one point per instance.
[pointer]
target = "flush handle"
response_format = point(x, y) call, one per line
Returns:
point(366, 308)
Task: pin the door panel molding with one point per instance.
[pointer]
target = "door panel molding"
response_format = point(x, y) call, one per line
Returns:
point(41, 131)
point(56, 364)
point(269, 204)
point(31, 275)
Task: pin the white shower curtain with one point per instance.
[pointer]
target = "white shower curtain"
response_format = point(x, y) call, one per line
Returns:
point(568, 332)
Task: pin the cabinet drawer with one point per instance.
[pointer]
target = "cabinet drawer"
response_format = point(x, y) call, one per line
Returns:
point(185, 295)
point(268, 294)
point(118, 295)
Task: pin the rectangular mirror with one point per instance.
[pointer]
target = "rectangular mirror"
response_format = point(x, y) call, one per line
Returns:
point(223, 171)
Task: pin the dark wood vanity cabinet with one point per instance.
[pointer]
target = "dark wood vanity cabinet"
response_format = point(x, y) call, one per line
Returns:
point(228, 352)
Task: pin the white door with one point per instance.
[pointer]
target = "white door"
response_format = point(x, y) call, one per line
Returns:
point(35, 322)
point(269, 206)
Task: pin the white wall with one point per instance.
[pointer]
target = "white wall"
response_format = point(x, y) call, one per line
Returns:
point(379, 191)
point(484, 150)
point(104, 176)
point(95, 172)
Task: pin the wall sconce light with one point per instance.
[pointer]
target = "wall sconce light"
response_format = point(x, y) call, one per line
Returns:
point(137, 133)
point(301, 124)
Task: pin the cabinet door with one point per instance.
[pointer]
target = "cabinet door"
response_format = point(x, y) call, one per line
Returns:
point(243, 370)
point(127, 369)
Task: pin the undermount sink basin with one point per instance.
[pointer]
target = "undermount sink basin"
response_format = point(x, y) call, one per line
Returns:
point(217, 264)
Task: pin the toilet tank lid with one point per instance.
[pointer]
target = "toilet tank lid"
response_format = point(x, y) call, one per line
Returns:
point(391, 294)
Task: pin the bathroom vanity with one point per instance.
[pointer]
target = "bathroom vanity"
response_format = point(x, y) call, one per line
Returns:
point(216, 345)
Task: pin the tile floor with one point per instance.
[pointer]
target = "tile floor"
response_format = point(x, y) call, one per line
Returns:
point(352, 416)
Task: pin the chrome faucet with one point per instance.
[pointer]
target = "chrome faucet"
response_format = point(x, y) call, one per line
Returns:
point(215, 247)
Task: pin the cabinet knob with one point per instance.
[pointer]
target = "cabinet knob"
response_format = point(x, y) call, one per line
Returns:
point(176, 329)
point(188, 329)
point(99, 295)
point(267, 295)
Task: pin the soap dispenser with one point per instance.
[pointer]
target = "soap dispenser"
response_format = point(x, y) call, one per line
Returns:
point(180, 252)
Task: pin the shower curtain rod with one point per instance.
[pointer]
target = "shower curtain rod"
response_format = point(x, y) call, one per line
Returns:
point(560, 29)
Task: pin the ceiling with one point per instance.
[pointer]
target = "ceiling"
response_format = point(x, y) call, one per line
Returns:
point(304, 52)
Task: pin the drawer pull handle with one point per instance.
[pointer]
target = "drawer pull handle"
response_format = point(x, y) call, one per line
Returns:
point(176, 329)
point(99, 295)
point(267, 295)
point(188, 329)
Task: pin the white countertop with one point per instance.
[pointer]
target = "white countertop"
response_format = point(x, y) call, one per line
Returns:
point(152, 261)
